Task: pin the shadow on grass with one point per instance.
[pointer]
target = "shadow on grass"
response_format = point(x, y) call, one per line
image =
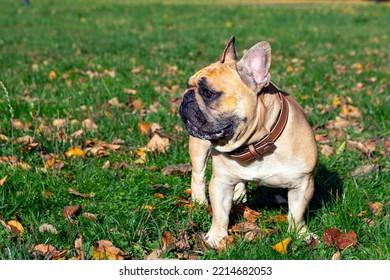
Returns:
point(328, 187)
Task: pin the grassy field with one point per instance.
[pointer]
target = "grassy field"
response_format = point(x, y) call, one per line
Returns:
point(106, 78)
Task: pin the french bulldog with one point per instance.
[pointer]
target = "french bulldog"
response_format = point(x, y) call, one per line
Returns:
point(253, 131)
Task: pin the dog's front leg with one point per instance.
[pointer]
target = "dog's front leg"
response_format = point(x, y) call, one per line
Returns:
point(199, 153)
point(298, 200)
point(221, 197)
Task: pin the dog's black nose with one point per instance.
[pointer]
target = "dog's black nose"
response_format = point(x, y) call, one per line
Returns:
point(189, 96)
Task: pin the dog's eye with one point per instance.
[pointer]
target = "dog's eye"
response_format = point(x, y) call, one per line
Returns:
point(208, 94)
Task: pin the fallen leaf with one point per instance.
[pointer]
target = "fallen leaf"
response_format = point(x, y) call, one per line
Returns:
point(90, 216)
point(47, 227)
point(52, 75)
point(249, 214)
point(74, 192)
point(167, 240)
point(74, 152)
point(177, 169)
point(58, 123)
point(328, 150)
point(346, 239)
point(104, 249)
point(333, 237)
point(18, 125)
point(47, 251)
point(249, 230)
point(369, 222)
point(88, 124)
point(154, 255)
point(2, 181)
point(365, 170)
point(4, 138)
point(158, 144)
point(159, 195)
point(24, 140)
point(143, 128)
point(78, 244)
point(376, 208)
point(69, 211)
point(225, 243)
point(366, 147)
point(16, 227)
point(188, 192)
point(336, 256)
point(282, 246)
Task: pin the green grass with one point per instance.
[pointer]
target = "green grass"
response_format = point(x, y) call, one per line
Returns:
point(72, 38)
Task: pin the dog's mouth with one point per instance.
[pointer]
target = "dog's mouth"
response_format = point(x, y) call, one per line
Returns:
point(225, 132)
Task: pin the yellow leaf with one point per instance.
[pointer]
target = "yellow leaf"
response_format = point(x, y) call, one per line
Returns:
point(228, 24)
point(143, 128)
point(281, 247)
point(336, 102)
point(159, 195)
point(104, 249)
point(16, 227)
point(290, 69)
point(2, 181)
point(52, 75)
point(74, 152)
point(376, 208)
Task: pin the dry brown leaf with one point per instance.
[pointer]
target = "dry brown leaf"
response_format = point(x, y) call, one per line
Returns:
point(104, 249)
point(249, 214)
point(177, 169)
point(346, 239)
point(188, 192)
point(90, 216)
point(365, 169)
point(47, 227)
point(69, 211)
point(225, 243)
point(4, 138)
point(18, 125)
point(112, 147)
point(58, 123)
point(74, 152)
point(88, 124)
point(154, 255)
point(167, 240)
point(333, 237)
point(158, 144)
point(376, 208)
point(138, 69)
point(369, 222)
point(78, 244)
point(336, 256)
point(282, 247)
point(74, 192)
point(249, 230)
point(47, 251)
point(115, 103)
point(312, 241)
point(366, 147)
point(24, 140)
point(328, 150)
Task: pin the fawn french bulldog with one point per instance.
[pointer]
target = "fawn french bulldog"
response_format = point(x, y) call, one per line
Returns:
point(253, 131)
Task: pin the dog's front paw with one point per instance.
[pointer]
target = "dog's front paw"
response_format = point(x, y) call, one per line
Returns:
point(213, 238)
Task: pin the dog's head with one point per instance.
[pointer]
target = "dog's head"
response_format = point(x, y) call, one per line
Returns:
point(220, 102)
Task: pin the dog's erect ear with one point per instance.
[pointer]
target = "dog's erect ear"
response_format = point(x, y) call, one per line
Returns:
point(253, 68)
point(229, 54)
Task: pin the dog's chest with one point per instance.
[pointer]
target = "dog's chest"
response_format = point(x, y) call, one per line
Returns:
point(270, 171)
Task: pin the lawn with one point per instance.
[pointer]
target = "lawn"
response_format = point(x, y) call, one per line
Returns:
point(89, 122)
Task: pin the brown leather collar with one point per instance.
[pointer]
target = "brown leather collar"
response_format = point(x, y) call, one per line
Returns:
point(267, 143)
